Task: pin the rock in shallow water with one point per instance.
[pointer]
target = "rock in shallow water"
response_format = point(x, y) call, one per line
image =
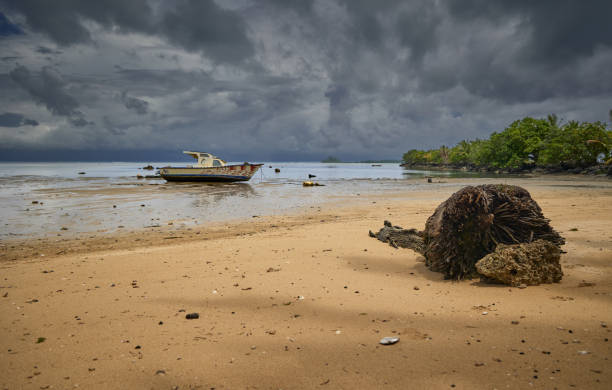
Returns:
point(530, 263)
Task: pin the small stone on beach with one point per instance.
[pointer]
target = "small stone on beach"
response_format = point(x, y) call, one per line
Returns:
point(389, 340)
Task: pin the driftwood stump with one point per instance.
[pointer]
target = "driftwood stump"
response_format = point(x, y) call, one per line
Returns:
point(399, 237)
point(474, 220)
point(471, 224)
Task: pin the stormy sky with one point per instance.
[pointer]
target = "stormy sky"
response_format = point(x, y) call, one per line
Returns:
point(291, 79)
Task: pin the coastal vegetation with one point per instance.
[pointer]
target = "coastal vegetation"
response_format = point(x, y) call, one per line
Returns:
point(388, 161)
point(331, 159)
point(526, 144)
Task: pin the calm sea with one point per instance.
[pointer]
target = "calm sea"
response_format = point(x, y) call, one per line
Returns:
point(40, 199)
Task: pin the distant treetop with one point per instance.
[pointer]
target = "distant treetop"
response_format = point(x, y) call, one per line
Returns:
point(331, 159)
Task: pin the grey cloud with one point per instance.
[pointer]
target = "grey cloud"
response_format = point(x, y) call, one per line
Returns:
point(417, 28)
point(414, 24)
point(8, 28)
point(161, 82)
point(111, 127)
point(10, 119)
point(47, 50)
point(339, 103)
point(306, 79)
point(196, 25)
point(78, 120)
point(560, 30)
point(301, 7)
point(519, 51)
point(49, 89)
point(131, 103)
point(62, 20)
point(201, 25)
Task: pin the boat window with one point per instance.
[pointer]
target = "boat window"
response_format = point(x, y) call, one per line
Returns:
point(217, 163)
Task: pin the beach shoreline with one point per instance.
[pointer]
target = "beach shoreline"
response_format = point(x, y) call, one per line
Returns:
point(59, 241)
point(300, 300)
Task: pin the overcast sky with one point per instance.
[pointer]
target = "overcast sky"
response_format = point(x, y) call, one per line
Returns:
point(291, 80)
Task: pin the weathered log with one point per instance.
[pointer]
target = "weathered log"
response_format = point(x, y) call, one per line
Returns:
point(398, 237)
point(474, 220)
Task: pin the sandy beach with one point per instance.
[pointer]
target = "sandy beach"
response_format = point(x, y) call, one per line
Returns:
point(300, 301)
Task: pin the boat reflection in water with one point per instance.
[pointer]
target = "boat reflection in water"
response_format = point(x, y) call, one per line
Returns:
point(203, 195)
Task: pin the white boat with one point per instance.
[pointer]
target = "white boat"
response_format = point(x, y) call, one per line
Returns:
point(209, 168)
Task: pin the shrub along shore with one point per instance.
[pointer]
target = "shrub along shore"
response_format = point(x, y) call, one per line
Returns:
point(527, 145)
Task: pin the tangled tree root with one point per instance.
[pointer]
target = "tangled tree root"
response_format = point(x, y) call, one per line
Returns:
point(471, 224)
point(474, 220)
point(398, 237)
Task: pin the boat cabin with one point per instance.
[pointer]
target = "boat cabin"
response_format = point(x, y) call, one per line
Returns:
point(205, 160)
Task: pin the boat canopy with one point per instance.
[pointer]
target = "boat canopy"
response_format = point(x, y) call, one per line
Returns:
point(205, 160)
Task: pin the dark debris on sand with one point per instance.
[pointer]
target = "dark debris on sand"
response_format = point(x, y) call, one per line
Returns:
point(471, 224)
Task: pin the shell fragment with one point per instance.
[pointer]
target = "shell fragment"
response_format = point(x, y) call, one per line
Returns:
point(389, 340)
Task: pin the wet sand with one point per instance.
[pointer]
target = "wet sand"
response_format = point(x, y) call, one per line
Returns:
point(301, 301)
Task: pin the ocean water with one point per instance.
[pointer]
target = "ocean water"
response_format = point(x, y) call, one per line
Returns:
point(39, 199)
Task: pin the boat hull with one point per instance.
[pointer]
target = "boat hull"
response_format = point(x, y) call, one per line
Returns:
point(227, 173)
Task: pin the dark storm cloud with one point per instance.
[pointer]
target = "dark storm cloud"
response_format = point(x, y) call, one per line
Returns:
point(62, 20)
point(201, 25)
point(196, 25)
point(49, 89)
point(351, 78)
point(414, 25)
point(560, 30)
point(339, 102)
point(550, 40)
point(111, 127)
point(464, 45)
point(7, 28)
point(11, 119)
point(140, 106)
point(78, 120)
point(417, 28)
point(161, 82)
point(47, 50)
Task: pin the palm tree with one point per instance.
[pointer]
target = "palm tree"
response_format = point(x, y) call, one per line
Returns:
point(444, 154)
point(554, 121)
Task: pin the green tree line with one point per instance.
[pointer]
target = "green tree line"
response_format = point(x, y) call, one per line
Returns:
point(527, 142)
